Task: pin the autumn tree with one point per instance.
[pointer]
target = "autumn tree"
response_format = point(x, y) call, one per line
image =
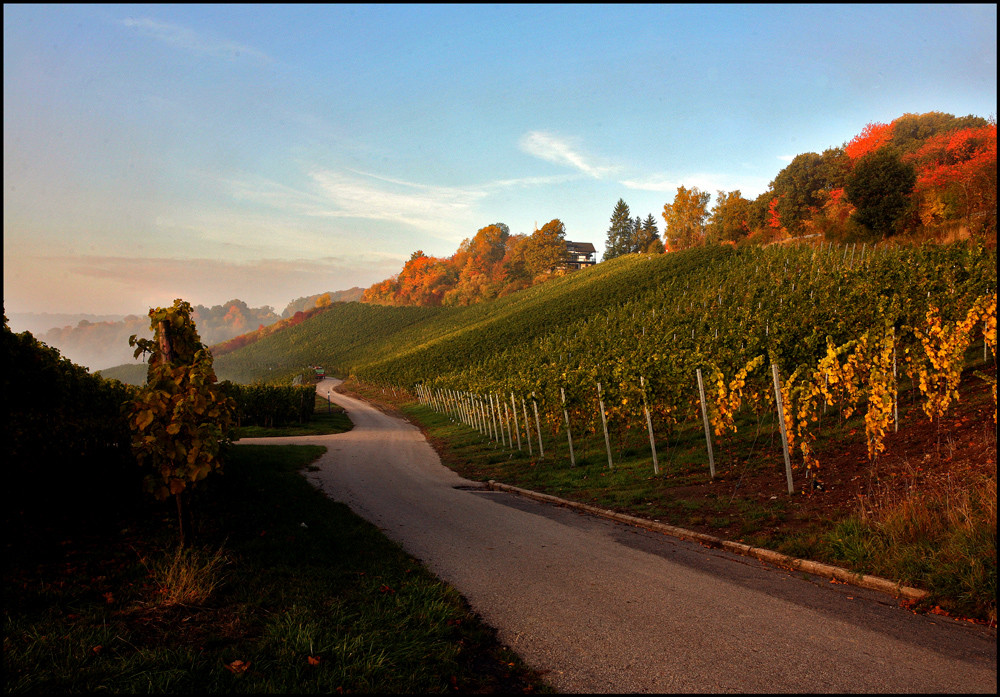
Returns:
point(423, 280)
point(685, 218)
point(957, 178)
point(545, 249)
point(621, 232)
point(872, 137)
point(801, 188)
point(911, 131)
point(729, 220)
point(879, 186)
point(179, 421)
point(479, 263)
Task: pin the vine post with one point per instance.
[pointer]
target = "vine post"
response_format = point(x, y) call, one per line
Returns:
point(527, 428)
point(781, 426)
point(649, 425)
point(538, 426)
point(517, 428)
point(704, 418)
point(569, 435)
point(604, 422)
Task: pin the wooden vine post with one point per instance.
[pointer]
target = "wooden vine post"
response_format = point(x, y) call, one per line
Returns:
point(527, 428)
point(649, 425)
point(708, 430)
point(604, 422)
point(517, 429)
point(569, 435)
point(538, 426)
point(781, 426)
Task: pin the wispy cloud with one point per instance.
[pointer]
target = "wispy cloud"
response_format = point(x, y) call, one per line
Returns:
point(749, 186)
point(190, 40)
point(561, 151)
point(446, 212)
point(423, 206)
point(786, 158)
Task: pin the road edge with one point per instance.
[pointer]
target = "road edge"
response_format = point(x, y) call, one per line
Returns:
point(836, 573)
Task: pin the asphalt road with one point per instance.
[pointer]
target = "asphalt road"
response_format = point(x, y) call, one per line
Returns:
point(606, 607)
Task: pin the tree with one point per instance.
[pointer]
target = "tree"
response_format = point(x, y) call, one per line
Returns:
point(648, 237)
point(801, 187)
point(324, 300)
point(957, 178)
point(545, 249)
point(872, 137)
point(879, 186)
point(685, 218)
point(730, 218)
point(620, 233)
point(179, 421)
point(911, 131)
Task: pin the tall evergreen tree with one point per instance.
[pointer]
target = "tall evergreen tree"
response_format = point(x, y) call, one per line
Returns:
point(648, 236)
point(619, 240)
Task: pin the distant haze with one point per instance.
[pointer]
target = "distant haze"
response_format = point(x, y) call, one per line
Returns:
point(101, 341)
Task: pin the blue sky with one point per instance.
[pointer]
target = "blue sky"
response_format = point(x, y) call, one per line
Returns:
point(269, 152)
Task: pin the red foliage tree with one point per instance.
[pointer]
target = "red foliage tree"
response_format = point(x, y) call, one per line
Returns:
point(962, 165)
point(872, 137)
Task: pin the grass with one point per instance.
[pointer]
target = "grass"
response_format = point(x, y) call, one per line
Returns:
point(282, 591)
point(944, 538)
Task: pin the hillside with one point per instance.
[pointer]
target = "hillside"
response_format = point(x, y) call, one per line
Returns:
point(332, 296)
point(408, 344)
point(357, 338)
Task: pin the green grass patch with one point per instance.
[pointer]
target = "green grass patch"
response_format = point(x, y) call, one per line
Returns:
point(282, 591)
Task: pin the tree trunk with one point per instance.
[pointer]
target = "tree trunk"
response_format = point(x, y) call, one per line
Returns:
point(180, 517)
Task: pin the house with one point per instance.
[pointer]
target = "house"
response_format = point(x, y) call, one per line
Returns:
point(579, 255)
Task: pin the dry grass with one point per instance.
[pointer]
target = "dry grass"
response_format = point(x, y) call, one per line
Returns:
point(189, 576)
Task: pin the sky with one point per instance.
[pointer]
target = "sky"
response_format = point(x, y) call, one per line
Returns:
point(269, 152)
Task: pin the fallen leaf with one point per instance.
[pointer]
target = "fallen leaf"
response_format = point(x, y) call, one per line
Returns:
point(237, 667)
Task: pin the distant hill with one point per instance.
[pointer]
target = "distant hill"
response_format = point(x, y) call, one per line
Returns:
point(310, 301)
point(38, 323)
point(103, 344)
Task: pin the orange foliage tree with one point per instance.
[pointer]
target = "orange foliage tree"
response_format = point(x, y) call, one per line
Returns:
point(490, 264)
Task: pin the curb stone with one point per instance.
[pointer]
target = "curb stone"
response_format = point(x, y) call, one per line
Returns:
point(766, 555)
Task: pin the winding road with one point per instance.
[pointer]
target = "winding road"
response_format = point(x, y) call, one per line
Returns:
point(605, 607)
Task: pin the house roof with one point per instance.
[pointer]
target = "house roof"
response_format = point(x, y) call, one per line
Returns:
point(580, 247)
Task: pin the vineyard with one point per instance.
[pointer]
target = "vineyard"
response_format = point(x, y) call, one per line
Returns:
point(635, 348)
point(832, 328)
